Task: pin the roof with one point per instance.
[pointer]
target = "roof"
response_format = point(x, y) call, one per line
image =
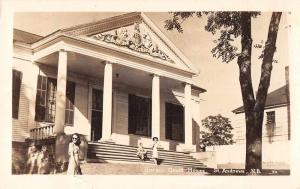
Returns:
point(25, 37)
point(275, 98)
point(196, 86)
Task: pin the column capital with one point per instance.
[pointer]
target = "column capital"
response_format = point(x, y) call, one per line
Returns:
point(187, 83)
point(107, 62)
point(155, 75)
point(62, 50)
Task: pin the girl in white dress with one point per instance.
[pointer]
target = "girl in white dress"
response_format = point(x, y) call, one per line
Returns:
point(154, 150)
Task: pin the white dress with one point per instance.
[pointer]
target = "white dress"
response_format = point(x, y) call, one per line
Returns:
point(155, 151)
point(74, 159)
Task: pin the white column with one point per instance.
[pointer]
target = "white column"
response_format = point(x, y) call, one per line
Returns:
point(155, 107)
point(61, 92)
point(188, 132)
point(107, 102)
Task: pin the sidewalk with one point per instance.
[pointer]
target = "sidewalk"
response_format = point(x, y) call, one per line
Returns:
point(135, 169)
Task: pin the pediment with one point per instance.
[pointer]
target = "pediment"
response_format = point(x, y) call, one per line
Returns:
point(133, 33)
point(134, 37)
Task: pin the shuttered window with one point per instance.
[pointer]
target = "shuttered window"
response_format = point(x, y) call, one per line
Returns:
point(16, 89)
point(174, 122)
point(139, 115)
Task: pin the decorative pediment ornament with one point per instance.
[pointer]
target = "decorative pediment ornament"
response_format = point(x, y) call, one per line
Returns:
point(137, 41)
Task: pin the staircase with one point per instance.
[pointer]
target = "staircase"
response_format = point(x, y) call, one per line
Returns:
point(104, 152)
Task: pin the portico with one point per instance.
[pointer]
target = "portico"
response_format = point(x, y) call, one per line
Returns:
point(133, 78)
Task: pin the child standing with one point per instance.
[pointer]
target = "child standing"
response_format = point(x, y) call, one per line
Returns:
point(154, 150)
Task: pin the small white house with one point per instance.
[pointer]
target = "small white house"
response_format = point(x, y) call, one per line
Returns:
point(275, 132)
point(118, 79)
point(276, 123)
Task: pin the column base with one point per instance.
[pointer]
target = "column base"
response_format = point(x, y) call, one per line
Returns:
point(106, 140)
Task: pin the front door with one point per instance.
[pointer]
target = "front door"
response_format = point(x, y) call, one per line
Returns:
point(97, 107)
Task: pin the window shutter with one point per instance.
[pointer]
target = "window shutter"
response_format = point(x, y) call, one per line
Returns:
point(174, 122)
point(168, 121)
point(16, 89)
point(131, 114)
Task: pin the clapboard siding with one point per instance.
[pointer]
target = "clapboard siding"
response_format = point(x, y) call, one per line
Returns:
point(20, 125)
point(280, 131)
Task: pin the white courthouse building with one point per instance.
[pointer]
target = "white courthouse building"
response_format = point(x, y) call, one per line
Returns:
point(118, 79)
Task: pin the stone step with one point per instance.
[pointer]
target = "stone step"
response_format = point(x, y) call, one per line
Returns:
point(124, 156)
point(132, 148)
point(95, 144)
point(91, 154)
point(101, 159)
point(104, 150)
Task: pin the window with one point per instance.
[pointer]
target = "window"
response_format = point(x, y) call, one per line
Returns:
point(174, 122)
point(16, 88)
point(139, 121)
point(46, 100)
point(271, 117)
point(69, 112)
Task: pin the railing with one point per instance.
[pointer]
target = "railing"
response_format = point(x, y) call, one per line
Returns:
point(42, 132)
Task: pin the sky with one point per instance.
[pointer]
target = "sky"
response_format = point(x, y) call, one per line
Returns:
point(221, 80)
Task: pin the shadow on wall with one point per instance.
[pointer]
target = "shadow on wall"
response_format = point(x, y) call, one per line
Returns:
point(270, 128)
point(196, 135)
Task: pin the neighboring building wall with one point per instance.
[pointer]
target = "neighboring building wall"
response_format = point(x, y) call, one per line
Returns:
point(274, 156)
point(280, 131)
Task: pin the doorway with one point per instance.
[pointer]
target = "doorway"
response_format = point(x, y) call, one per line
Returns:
point(96, 119)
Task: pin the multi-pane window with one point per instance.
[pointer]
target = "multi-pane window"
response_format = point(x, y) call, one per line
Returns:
point(139, 121)
point(51, 100)
point(174, 122)
point(16, 88)
point(271, 117)
point(46, 100)
point(69, 112)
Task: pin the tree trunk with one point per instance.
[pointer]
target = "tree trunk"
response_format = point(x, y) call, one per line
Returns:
point(254, 109)
point(244, 62)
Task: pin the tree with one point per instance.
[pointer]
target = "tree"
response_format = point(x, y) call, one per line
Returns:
point(237, 26)
point(217, 131)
